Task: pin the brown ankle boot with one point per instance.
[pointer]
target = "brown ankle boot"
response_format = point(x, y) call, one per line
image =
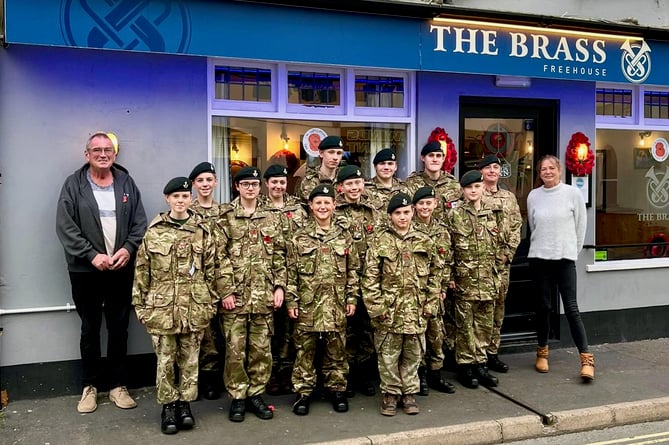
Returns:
point(587, 367)
point(541, 364)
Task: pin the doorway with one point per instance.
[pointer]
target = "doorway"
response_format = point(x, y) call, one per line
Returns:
point(518, 131)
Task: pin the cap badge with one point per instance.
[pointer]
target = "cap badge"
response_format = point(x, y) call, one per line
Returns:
point(285, 171)
point(392, 156)
point(358, 172)
point(255, 173)
point(185, 184)
point(405, 202)
point(341, 144)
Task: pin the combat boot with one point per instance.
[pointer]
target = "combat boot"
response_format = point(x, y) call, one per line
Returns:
point(435, 381)
point(541, 364)
point(258, 406)
point(339, 402)
point(365, 378)
point(495, 364)
point(486, 379)
point(466, 376)
point(285, 380)
point(424, 389)
point(587, 367)
point(273, 387)
point(237, 410)
point(185, 419)
point(301, 405)
point(168, 419)
point(389, 404)
point(209, 385)
point(409, 404)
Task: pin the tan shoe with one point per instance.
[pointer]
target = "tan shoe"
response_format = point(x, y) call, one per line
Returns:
point(389, 404)
point(121, 398)
point(89, 400)
point(541, 364)
point(409, 405)
point(587, 367)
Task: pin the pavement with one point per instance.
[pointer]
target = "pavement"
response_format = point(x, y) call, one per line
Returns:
point(630, 386)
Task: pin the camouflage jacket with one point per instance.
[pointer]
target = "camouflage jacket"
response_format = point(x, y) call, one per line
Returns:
point(361, 218)
point(475, 237)
point(176, 278)
point(446, 187)
point(293, 214)
point(512, 223)
point(438, 232)
point(380, 195)
point(401, 281)
point(256, 249)
point(322, 277)
point(311, 179)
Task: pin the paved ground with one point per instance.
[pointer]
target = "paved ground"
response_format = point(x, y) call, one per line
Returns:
point(631, 386)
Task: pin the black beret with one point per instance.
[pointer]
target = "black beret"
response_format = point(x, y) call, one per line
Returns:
point(490, 159)
point(397, 201)
point(178, 184)
point(471, 177)
point(386, 154)
point(349, 172)
point(247, 173)
point(322, 190)
point(431, 147)
point(275, 170)
point(423, 192)
point(202, 167)
point(331, 142)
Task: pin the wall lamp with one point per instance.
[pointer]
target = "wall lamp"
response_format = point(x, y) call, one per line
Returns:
point(643, 135)
point(513, 82)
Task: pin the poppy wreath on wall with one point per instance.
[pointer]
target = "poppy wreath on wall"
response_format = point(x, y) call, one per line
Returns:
point(657, 246)
point(579, 157)
point(447, 146)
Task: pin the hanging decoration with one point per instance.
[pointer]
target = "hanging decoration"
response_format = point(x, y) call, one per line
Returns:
point(448, 147)
point(579, 157)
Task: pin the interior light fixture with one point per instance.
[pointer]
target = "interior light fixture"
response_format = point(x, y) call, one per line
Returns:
point(513, 82)
point(284, 137)
point(643, 135)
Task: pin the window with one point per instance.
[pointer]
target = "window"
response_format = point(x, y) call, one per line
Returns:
point(614, 102)
point(379, 91)
point(310, 88)
point(632, 194)
point(656, 104)
point(245, 84)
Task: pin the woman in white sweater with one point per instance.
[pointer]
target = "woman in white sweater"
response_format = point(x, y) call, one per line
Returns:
point(557, 219)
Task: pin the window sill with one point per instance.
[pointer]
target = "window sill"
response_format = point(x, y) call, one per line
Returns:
point(647, 263)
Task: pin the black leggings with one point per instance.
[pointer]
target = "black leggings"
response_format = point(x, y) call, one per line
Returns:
point(561, 273)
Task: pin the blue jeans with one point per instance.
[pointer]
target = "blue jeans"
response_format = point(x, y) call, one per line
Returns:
point(547, 275)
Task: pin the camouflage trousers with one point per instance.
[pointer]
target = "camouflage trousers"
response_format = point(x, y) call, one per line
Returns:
point(209, 356)
point(334, 367)
point(181, 350)
point(399, 358)
point(474, 321)
point(359, 336)
point(248, 358)
point(434, 341)
point(498, 311)
point(450, 328)
point(283, 348)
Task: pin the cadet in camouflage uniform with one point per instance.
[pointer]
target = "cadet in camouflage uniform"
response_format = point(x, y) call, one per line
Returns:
point(323, 289)
point(357, 211)
point(255, 246)
point(475, 235)
point(490, 166)
point(175, 296)
point(203, 177)
point(424, 202)
point(400, 288)
point(384, 185)
point(447, 189)
point(331, 151)
point(294, 215)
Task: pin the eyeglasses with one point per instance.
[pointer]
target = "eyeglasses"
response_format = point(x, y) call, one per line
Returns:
point(99, 150)
point(249, 185)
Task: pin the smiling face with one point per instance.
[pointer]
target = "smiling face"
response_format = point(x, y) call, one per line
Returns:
point(352, 189)
point(549, 172)
point(248, 189)
point(322, 208)
point(204, 184)
point(276, 186)
point(425, 207)
point(100, 153)
point(179, 203)
point(491, 173)
point(386, 169)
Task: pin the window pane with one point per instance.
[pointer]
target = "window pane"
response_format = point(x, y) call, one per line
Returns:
point(309, 88)
point(613, 102)
point(632, 196)
point(245, 84)
point(379, 91)
point(656, 104)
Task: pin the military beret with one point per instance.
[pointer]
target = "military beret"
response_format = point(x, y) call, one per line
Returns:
point(331, 142)
point(247, 173)
point(423, 192)
point(431, 147)
point(397, 201)
point(490, 159)
point(202, 167)
point(178, 184)
point(471, 177)
point(349, 172)
point(386, 154)
point(275, 170)
point(322, 190)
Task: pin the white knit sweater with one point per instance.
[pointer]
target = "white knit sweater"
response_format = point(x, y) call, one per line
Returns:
point(557, 220)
